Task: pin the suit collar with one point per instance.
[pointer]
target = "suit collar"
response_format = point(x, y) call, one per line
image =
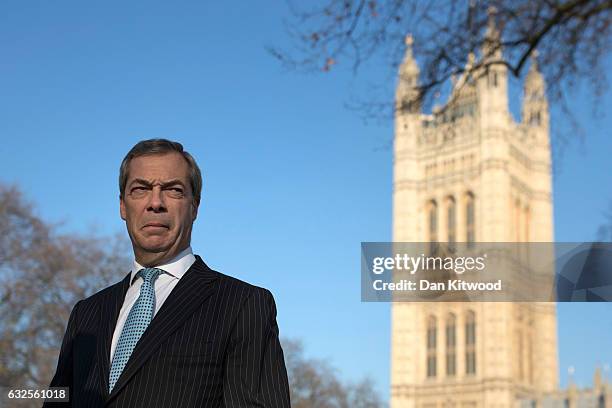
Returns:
point(198, 283)
point(176, 267)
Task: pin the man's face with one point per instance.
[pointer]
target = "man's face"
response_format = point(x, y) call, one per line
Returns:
point(158, 207)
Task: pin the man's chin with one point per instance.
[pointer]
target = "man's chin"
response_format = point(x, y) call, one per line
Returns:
point(155, 247)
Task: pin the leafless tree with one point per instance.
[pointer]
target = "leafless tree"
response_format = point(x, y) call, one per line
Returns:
point(571, 36)
point(315, 384)
point(42, 275)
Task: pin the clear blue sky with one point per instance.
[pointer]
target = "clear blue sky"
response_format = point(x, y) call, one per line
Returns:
point(293, 181)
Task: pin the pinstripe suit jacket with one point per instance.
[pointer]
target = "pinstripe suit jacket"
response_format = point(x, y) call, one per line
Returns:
point(213, 343)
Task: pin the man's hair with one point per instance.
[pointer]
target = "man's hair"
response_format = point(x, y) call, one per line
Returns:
point(161, 146)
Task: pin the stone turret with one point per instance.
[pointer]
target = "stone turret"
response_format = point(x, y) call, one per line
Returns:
point(407, 93)
point(470, 173)
point(535, 104)
point(407, 129)
point(493, 79)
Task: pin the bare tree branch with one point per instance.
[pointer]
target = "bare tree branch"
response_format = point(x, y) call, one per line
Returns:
point(42, 275)
point(572, 37)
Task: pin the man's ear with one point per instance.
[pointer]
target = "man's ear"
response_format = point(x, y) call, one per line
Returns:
point(122, 208)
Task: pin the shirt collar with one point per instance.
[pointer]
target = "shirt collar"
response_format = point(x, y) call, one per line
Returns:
point(176, 267)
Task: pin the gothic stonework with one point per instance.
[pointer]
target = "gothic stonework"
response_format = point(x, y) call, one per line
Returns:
point(472, 173)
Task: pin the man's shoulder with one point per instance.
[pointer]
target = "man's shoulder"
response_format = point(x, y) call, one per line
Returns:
point(240, 287)
point(246, 296)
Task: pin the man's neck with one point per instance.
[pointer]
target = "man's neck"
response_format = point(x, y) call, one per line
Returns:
point(151, 260)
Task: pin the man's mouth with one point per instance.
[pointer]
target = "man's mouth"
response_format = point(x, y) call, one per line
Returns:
point(155, 225)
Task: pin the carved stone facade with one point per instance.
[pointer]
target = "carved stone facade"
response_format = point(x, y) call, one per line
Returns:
point(472, 173)
point(599, 396)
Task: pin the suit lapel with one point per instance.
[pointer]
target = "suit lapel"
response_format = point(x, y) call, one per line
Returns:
point(109, 313)
point(192, 289)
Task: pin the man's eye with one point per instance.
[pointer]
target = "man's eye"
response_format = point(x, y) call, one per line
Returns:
point(175, 191)
point(138, 191)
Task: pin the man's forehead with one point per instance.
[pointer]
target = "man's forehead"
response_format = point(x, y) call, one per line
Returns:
point(159, 167)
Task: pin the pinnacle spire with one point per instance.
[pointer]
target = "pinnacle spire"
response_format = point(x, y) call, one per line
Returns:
point(409, 65)
point(534, 80)
point(409, 70)
point(407, 91)
point(492, 31)
point(409, 40)
point(534, 59)
point(491, 43)
point(535, 105)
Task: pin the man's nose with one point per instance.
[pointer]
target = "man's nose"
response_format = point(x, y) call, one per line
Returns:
point(156, 200)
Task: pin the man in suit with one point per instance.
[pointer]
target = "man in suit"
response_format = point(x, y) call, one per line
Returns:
point(173, 332)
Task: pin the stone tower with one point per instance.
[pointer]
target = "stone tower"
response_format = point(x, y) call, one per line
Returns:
point(471, 173)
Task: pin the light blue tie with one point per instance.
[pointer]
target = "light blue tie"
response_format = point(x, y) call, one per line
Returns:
point(137, 321)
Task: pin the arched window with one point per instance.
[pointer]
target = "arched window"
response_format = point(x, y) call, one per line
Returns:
point(517, 220)
point(470, 343)
point(451, 222)
point(526, 223)
point(470, 232)
point(451, 345)
point(433, 221)
point(518, 341)
point(431, 346)
point(529, 355)
point(433, 224)
point(491, 78)
point(521, 355)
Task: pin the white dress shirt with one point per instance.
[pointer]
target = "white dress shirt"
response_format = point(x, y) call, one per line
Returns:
point(174, 271)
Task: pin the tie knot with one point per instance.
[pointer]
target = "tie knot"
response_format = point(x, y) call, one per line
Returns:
point(150, 274)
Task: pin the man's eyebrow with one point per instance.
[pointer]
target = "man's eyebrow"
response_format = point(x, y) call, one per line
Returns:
point(141, 181)
point(147, 183)
point(172, 183)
